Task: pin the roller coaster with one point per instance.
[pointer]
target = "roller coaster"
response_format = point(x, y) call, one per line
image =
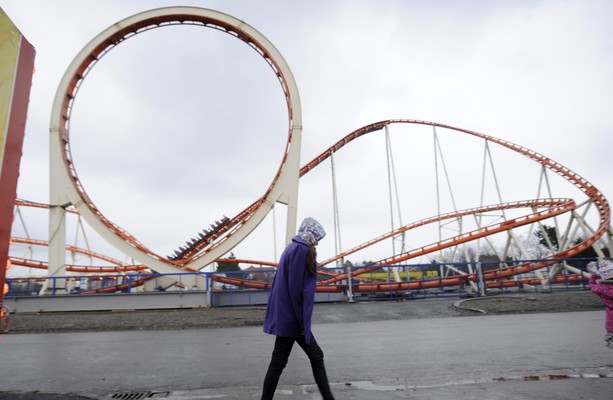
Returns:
point(581, 214)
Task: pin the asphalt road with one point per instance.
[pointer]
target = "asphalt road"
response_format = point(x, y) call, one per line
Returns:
point(557, 355)
point(324, 313)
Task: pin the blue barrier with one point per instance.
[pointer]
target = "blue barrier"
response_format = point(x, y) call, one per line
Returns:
point(229, 295)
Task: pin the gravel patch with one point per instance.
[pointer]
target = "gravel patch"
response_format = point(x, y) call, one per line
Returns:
point(531, 303)
point(324, 313)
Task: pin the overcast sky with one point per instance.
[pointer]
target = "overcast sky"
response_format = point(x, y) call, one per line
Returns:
point(179, 126)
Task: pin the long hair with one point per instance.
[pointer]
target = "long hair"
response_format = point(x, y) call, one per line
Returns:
point(311, 261)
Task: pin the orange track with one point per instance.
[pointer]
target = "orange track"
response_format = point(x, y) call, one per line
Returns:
point(553, 207)
point(596, 197)
point(122, 34)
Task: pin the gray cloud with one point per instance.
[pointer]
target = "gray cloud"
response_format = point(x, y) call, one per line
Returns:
point(176, 127)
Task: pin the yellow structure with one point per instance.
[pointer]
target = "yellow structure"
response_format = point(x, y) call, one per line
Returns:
point(16, 69)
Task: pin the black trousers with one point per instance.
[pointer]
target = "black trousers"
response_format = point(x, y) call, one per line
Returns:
point(280, 355)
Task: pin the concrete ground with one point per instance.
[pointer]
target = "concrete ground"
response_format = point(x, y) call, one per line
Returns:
point(558, 355)
point(225, 317)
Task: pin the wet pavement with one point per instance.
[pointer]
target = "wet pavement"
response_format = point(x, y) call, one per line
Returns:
point(530, 356)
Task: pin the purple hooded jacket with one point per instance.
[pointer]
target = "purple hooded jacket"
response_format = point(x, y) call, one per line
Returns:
point(605, 291)
point(290, 305)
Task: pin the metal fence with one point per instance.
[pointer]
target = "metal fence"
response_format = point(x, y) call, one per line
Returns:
point(411, 281)
point(430, 280)
point(107, 283)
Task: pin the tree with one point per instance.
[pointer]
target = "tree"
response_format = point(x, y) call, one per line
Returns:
point(548, 237)
point(228, 266)
point(587, 255)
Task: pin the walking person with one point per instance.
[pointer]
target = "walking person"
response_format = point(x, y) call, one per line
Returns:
point(290, 307)
point(601, 283)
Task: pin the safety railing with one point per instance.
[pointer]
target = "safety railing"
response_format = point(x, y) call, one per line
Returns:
point(107, 283)
point(363, 283)
point(233, 295)
point(414, 281)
